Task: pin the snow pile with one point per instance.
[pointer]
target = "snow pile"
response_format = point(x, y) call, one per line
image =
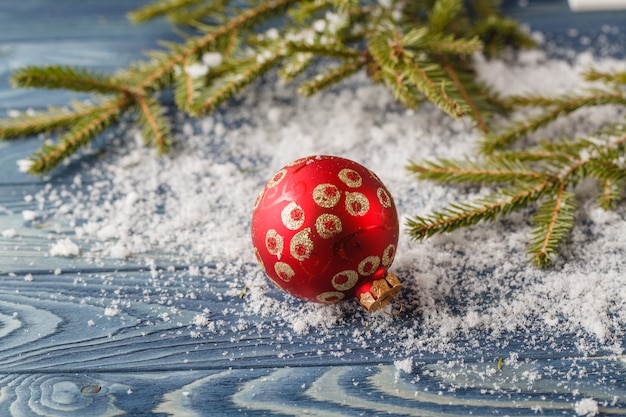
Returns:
point(474, 284)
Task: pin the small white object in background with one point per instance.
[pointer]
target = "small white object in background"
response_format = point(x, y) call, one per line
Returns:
point(64, 247)
point(591, 5)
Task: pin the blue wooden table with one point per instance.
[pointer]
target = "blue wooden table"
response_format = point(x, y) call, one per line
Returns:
point(85, 337)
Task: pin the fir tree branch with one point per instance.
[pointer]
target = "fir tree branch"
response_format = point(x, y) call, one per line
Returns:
point(50, 156)
point(254, 68)
point(473, 107)
point(484, 8)
point(433, 92)
point(459, 215)
point(610, 195)
point(496, 33)
point(401, 88)
point(616, 77)
point(570, 104)
point(230, 45)
point(192, 16)
point(295, 64)
point(186, 102)
point(400, 44)
point(449, 45)
point(189, 83)
point(63, 77)
point(485, 172)
point(553, 221)
point(158, 9)
point(443, 13)
point(155, 129)
point(44, 122)
point(332, 76)
point(562, 165)
point(162, 69)
point(334, 51)
point(557, 108)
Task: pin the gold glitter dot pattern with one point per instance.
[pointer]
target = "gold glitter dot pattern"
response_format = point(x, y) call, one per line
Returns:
point(330, 297)
point(284, 271)
point(357, 204)
point(328, 225)
point(369, 265)
point(383, 197)
point(345, 280)
point(277, 178)
point(326, 195)
point(350, 177)
point(274, 242)
point(301, 245)
point(292, 216)
point(388, 255)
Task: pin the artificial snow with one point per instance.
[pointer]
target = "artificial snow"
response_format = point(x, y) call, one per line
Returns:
point(29, 215)
point(24, 164)
point(586, 407)
point(193, 206)
point(64, 247)
point(197, 70)
point(212, 59)
point(9, 233)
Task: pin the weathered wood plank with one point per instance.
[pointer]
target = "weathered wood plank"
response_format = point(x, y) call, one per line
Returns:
point(148, 337)
point(175, 319)
point(430, 390)
point(91, 33)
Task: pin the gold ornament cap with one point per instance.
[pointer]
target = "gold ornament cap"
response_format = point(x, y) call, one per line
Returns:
point(383, 290)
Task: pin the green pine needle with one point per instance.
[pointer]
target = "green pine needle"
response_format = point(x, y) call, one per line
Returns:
point(189, 84)
point(556, 107)
point(553, 222)
point(333, 50)
point(418, 49)
point(158, 9)
point(78, 136)
point(332, 76)
point(249, 71)
point(154, 125)
point(458, 215)
point(54, 119)
point(64, 77)
point(443, 14)
point(476, 172)
point(616, 77)
point(295, 64)
point(546, 171)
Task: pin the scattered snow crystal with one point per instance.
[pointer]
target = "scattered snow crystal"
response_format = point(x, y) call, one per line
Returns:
point(197, 70)
point(405, 365)
point(64, 247)
point(195, 203)
point(212, 59)
point(587, 407)
point(29, 215)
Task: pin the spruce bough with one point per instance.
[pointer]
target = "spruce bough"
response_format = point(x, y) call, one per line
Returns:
point(544, 173)
point(421, 50)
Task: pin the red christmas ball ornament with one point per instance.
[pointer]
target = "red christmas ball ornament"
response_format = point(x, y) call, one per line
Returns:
point(325, 229)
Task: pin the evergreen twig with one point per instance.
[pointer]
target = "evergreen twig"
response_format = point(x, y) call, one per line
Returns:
point(553, 221)
point(555, 107)
point(547, 171)
point(419, 49)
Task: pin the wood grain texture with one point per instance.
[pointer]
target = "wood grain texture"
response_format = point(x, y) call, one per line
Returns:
point(86, 336)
